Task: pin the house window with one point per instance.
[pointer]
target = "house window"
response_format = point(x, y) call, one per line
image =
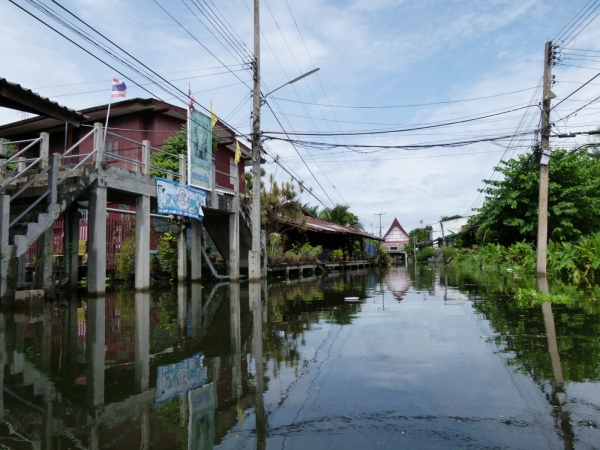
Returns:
point(393, 248)
point(112, 146)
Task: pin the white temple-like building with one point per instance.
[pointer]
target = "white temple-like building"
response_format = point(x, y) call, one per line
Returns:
point(395, 240)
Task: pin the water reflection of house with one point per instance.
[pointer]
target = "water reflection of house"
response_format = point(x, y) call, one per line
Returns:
point(397, 282)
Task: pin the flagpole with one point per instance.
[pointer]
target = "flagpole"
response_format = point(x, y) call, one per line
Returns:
point(106, 121)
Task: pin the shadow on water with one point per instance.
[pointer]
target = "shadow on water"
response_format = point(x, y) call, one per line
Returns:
point(425, 357)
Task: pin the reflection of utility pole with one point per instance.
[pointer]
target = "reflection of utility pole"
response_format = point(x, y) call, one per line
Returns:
point(257, 349)
point(558, 394)
point(380, 227)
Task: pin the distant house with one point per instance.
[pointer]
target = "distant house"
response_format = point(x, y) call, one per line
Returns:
point(395, 240)
point(451, 229)
point(330, 236)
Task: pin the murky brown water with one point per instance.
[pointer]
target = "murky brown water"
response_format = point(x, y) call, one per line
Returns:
point(425, 359)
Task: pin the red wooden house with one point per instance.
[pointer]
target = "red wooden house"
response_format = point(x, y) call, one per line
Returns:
point(135, 119)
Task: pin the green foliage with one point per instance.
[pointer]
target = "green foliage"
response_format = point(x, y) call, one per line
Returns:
point(341, 215)
point(176, 144)
point(510, 211)
point(445, 218)
point(167, 253)
point(495, 256)
point(417, 235)
point(424, 254)
point(280, 207)
point(449, 253)
point(578, 263)
point(337, 253)
point(312, 210)
point(126, 261)
point(274, 248)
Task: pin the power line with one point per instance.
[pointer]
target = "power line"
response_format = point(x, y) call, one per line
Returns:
point(578, 89)
point(407, 105)
point(311, 172)
point(400, 130)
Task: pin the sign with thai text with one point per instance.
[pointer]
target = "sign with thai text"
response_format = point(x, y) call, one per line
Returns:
point(179, 199)
point(199, 150)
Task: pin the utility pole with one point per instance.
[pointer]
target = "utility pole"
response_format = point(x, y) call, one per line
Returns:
point(254, 266)
point(380, 227)
point(548, 95)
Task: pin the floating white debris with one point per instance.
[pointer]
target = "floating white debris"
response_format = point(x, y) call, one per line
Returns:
point(351, 299)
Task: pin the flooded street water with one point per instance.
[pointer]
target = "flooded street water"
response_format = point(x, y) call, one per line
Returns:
point(425, 358)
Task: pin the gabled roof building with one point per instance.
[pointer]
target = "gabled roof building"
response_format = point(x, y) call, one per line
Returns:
point(395, 239)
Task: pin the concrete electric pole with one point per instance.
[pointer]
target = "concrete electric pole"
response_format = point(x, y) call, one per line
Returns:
point(380, 227)
point(548, 95)
point(254, 265)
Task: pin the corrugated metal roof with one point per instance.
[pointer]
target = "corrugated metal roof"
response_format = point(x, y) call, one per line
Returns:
point(322, 226)
point(15, 96)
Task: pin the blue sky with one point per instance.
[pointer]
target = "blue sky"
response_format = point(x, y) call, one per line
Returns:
point(371, 53)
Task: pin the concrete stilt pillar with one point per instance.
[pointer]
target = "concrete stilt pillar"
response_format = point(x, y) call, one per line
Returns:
point(142, 340)
point(71, 245)
point(182, 255)
point(95, 341)
point(96, 275)
point(7, 276)
point(44, 268)
point(196, 255)
point(21, 270)
point(3, 361)
point(142, 242)
point(234, 244)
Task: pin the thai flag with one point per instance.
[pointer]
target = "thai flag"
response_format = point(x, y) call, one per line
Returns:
point(118, 88)
point(191, 96)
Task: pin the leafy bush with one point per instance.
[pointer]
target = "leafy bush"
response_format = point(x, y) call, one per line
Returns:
point(425, 254)
point(126, 261)
point(167, 253)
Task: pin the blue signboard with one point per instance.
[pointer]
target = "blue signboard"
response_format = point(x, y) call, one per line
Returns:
point(199, 151)
point(179, 378)
point(179, 199)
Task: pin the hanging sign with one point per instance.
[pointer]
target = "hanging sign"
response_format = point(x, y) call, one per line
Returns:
point(199, 150)
point(179, 199)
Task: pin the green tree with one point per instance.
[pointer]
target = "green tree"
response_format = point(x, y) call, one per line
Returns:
point(509, 213)
point(176, 144)
point(280, 206)
point(417, 235)
point(313, 210)
point(341, 215)
point(445, 218)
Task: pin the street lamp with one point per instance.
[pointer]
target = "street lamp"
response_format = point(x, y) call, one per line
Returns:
point(254, 266)
point(263, 100)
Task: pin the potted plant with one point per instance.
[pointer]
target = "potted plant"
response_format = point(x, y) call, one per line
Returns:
point(336, 255)
point(274, 252)
point(289, 257)
point(315, 252)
